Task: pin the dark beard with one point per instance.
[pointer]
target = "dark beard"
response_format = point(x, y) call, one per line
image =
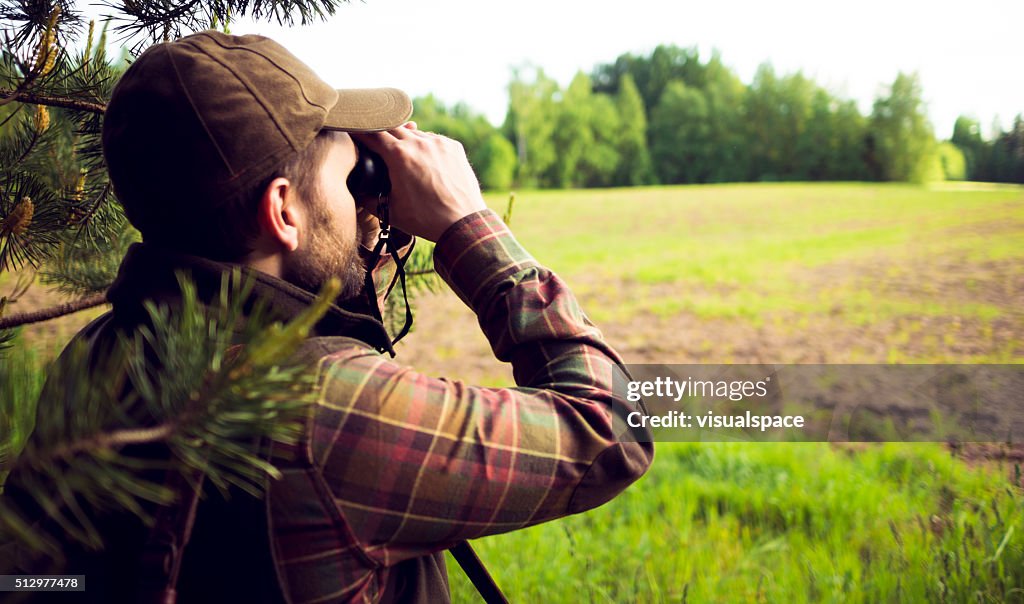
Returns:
point(323, 255)
point(311, 273)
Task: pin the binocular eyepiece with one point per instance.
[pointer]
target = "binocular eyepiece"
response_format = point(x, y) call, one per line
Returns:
point(369, 179)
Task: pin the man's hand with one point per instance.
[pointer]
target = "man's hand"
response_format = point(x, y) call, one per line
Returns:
point(432, 183)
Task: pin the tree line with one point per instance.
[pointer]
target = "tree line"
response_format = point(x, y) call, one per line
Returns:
point(670, 117)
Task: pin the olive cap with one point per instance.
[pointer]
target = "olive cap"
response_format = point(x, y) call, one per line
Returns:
point(195, 121)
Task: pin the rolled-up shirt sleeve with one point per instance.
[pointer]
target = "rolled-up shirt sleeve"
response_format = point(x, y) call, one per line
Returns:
point(415, 463)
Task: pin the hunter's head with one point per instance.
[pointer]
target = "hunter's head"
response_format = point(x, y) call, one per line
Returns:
point(229, 147)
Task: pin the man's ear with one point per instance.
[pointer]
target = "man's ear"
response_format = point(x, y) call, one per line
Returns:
point(279, 216)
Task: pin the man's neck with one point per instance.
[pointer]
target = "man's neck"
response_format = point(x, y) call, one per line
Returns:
point(270, 264)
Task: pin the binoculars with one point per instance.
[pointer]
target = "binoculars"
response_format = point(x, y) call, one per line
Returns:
point(369, 179)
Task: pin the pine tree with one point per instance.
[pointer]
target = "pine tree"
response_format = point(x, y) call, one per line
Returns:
point(59, 216)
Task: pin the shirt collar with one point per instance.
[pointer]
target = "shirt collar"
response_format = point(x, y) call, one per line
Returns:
point(149, 272)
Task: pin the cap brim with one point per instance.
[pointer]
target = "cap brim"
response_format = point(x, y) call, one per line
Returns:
point(369, 110)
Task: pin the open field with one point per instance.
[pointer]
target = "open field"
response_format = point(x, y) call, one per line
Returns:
point(780, 273)
point(768, 273)
point(775, 274)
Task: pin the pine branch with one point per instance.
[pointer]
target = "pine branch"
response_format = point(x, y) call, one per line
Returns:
point(162, 20)
point(207, 380)
point(39, 98)
point(82, 268)
point(115, 439)
point(29, 147)
point(53, 312)
point(37, 16)
point(31, 218)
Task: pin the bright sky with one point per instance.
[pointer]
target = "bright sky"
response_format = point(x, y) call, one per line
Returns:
point(970, 55)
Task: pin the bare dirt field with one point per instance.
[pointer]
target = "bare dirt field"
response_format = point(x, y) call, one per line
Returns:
point(447, 339)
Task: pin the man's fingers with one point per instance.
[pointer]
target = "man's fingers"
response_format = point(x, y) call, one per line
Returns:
point(432, 183)
point(406, 131)
point(382, 143)
point(375, 141)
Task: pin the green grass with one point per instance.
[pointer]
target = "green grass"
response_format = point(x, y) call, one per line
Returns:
point(748, 248)
point(808, 522)
point(750, 228)
point(716, 522)
point(21, 380)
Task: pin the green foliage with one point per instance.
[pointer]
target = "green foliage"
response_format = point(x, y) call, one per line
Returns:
point(966, 132)
point(1007, 155)
point(496, 165)
point(652, 74)
point(21, 379)
point(695, 133)
point(681, 135)
point(530, 126)
point(601, 159)
point(80, 267)
point(777, 128)
point(577, 137)
point(53, 185)
point(953, 163)
point(492, 156)
point(584, 150)
point(784, 127)
point(169, 19)
point(779, 523)
point(729, 155)
point(778, 112)
point(206, 381)
point(635, 161)
point(902, 141)
point(673, 117)
point(848, 143)
point(967, 138)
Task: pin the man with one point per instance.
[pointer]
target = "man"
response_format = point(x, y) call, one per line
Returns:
point(228, 151)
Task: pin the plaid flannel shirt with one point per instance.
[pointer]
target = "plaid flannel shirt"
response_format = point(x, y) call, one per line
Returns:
point(394, 466)
point(397, 465)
